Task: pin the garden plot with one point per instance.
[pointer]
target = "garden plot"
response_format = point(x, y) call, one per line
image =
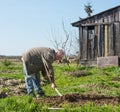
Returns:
point(12, 87)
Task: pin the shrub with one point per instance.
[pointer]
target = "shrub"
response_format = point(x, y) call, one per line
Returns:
point(6, 62)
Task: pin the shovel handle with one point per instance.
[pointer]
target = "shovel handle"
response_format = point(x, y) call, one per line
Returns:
point(58, 92)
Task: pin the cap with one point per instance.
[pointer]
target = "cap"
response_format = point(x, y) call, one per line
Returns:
point(60, 52)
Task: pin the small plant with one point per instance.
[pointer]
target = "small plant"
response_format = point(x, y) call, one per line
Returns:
point(4, 89)
point(88, 9)
point(6, 62)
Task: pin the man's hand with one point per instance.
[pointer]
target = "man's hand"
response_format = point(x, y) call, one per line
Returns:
point(53, 85)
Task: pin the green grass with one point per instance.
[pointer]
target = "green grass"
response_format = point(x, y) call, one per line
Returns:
point(105, 81)
point(19, 104)
point(26, 104)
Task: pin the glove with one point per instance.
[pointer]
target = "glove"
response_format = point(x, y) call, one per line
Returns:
point(53, 85)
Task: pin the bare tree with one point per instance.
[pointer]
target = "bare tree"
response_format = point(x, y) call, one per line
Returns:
point(56, 39)
point(62, 40)
point(68, 42)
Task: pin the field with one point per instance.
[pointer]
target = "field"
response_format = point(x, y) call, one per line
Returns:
point(83, 89)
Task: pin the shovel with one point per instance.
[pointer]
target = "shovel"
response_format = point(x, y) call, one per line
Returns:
point(46, 66)
point(58, 92)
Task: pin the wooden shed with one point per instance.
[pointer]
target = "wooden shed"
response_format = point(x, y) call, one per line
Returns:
point(99, 35)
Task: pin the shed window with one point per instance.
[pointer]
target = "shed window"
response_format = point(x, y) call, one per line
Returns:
point(90, 27)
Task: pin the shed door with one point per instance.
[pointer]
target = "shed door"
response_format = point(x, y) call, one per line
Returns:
point(91, 43)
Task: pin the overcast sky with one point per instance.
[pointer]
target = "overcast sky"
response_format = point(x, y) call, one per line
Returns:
point(28, 23)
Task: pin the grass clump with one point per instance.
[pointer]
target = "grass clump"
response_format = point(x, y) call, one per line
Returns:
point(6, 62)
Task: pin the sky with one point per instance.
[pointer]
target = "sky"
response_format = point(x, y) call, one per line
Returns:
point(28, 23)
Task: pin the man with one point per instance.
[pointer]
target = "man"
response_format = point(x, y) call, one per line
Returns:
point(36, 60)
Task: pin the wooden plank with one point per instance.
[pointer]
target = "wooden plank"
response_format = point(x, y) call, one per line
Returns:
point(100, 22)
point(111, 42)
point(84, 45)
point(101, 40)
point(80, 40)
point(106, 40)
point(119, 14)
point(86, 40)
point(98, 45)
point(96, 19)
point(89, 45)
point(116, 16)
point(105, 19)
point(92, 45)
point(109, 19)
point(117, 38)
point(91, 42)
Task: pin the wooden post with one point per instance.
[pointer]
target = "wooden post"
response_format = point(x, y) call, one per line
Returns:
point(106, 40)
point(111, 40)
point(117, 37)
point(80, 40)
point(101, 40)
point(98, 40)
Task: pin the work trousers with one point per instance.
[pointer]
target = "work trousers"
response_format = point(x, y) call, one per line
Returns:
point(32, 81)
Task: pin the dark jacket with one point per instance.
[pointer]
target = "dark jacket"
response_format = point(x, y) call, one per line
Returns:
point(40, 59)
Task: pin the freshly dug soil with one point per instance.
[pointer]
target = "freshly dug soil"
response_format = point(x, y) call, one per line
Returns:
point(78, 99)
point(17, 87)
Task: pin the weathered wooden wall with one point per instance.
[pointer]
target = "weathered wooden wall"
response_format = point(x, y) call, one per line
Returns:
point(106, 41)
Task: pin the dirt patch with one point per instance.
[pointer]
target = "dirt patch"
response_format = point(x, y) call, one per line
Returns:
point(78, 99)
point(78, 73)
point(9, 71)
point(10, 87)
point(116, 78)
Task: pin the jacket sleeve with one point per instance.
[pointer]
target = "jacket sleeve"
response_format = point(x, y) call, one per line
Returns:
point(50, 73)
point(48, 58)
